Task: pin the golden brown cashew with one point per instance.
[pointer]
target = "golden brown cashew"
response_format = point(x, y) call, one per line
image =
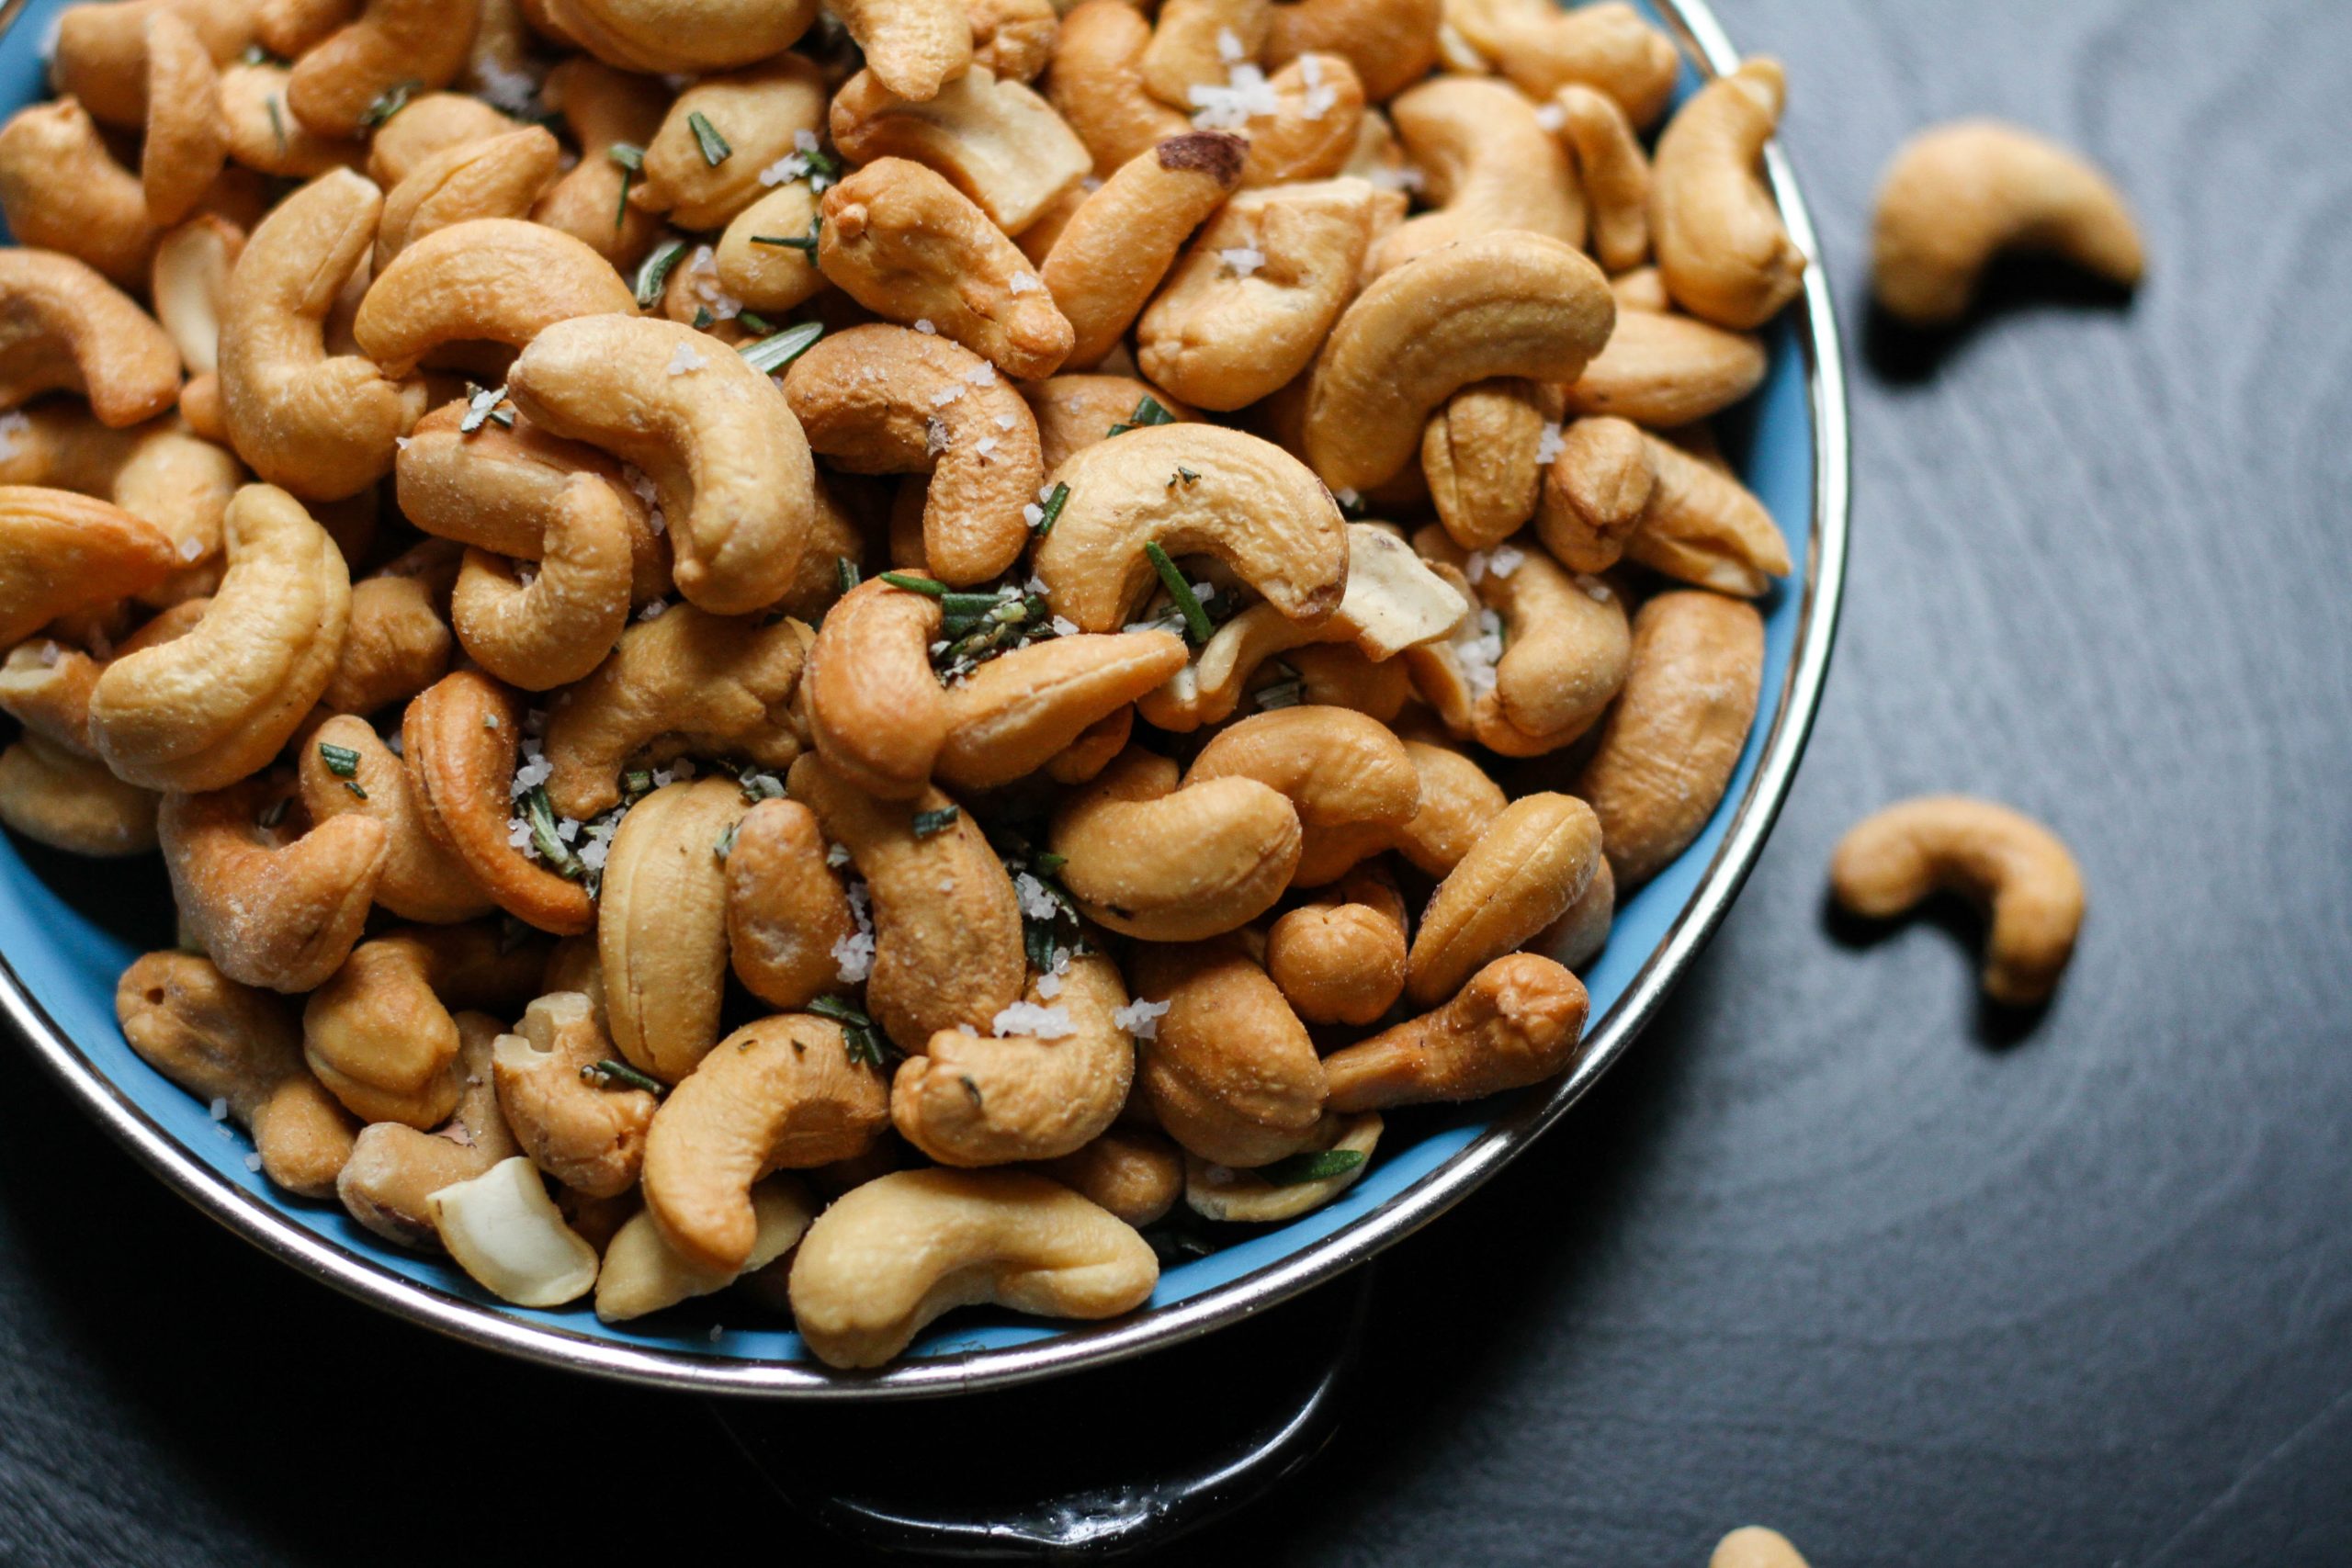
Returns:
point(61, 189)
point(761, 114)
point(398, 642)
point(1310, 131)
point(272, 908)
point(1579, 934)
point(1229, 1071)
point(1134, 1172)
point(1482, 455)
point(1012, 37)
point(380, 1033)
point(605, 108)
point(213, 705)
point(1518, 1021)
point(1489, 164)
point(1956, 195)
point(588, 1135)
point(62, 552)
point(1503, 304)
point(1390, 43)
point(1458, 803)
point(786, 909)
point(684, 681)
point(680, 35)
point(322, 426)
point(460, 738)
point(906, 244)
point(157, 472)
point(1596, 492)
point(1667, 750)
point(1614, 171)
point(884, 399)
point(266, 137)
point(1753, 1546)
point(661, 924)
point(1079, 410)
point(1195, 42)
point(1096, 84)
point(891, 1256)
point(428, 126)
point(641, 1273)
point(1334, 766)
point(1703, 525)
point(720, 446)
point(220, 1041)
point(1565, 651)
point(338, 82)
point(780, 1094)
point(45, 683)
point(1149, 860)
point(420, 880)
point(558, 627)
point(1663, 369)
point(913, 47)
point(1339, 958)
point(394, 1169)
point(187, 137)
point(2000, 858)
point(1722, 248)
point(1036, 1090)
point(71, 802)
point(62, 327)
point(1641, 289)
point(100, 53)
point(502, 177)
point(488, 279)
point(946, 951)
point(1542, 48)
point(1535, 860)
point(1018, 712)
point(1193, 490)
point(1122, 240)
point(996, 141)
point(1220, 1192)
point(876, 710)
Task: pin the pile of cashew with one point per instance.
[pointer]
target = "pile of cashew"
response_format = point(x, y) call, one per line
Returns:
point(978, 599)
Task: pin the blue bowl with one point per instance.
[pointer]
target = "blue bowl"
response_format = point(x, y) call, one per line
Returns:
point(63, 947)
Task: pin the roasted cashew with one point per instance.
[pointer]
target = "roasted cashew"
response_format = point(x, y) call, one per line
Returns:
point(1481, 454)
point(1535, 860)
point(264, 135)
point(221, 1041)
point(1703, 525)
point(661, 924)
point(394, 1169)
point(1230, 1073)
point(426, 126)
point(1501, 304)
point(460, 738)
point(996, 141)
point(187, 136)
point(786, 909)
point(1614, 171)
point(1023, 1093)
point(1579, 934)
point(55, 795)
point(557, 627)
point(760, 113)
point(590, 1136)
point(1194, 42)
point(1489, 164)
point(782, 1093)
point(157, 472)
point(99, 51)
point(420, 880)
point(1310, 131)
point(1012, 37)
point(45, 683)
point(2000, 858)
point(947, 943)
point(338, 82)
point(62, 190)
point(891, 1256)
point(1390, 43)
point(684, 681)
point(1663, 369)
point(876, 713)
point(1958, 195)
point(502, 177)
point(1136, 1173)
point(1220, 1192)
point(1566, 649)
point(1644, 288)
point(502, 280)
point(1079, 410)
point(913, 47)
point(1542, 48)
point(380, 1034)
point(1666, 752)
point(271, 907)
point(884, 399)
point(1095, 749)
point(1339, 958)
point(1120, 242)
point(682, 35)
point(1722, 248)
point(722, 448)
point(1153, 861)
point(906, 244)
point(1753, 1546)
point(62, 327)
point(1096, 84)
point(60, 552)
point(1517, 1021)
point(605, 108)
point(1019, 711)
point(215, 704)
point(1596, 492)
point(642, 1273)
point(1334, 766)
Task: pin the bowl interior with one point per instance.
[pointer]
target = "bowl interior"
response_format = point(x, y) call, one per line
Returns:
point(69, 927)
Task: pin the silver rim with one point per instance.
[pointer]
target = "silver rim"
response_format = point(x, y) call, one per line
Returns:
point(1156, 1328)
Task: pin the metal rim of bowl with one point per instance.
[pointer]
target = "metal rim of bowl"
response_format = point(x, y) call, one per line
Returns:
point(1156, 1328)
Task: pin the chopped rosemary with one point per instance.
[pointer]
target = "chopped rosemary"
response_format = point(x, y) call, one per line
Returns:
point(275, 812)
point(928, 823)
point(971, 1090)
point(393, 99)
point(635, 783)
point(341, 761)
point(606, 1073)
point(865, 1043)
point(655, 272)
point(757, 786)
point(771, 353)
point(540, 814)
point(755, 323)
point(702, 317)
point(715, 150)
point(1321, 1164)
point(923, 585)
point(631, 158)
point(1148, 412)
point(1196, 620)
point(845, 571)
point(806, 244)
point(726, 844)
point(1044, 863)
point(1183, 474)
point(481, 404)
point(1052, 510)
point(353, 785)
point(277, 120)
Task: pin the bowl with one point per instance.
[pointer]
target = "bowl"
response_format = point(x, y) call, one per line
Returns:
point(68, 928)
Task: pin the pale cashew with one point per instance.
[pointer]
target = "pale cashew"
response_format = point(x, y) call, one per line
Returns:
point(1958, 195)
point(913, 47)
point(187, 137)
point(1535, 859)
point(720, 446)
point(1596, 492)
point(975, 1100)
point(1566, 649)
point(157, 472)
point(1614, 171)
point(322, 426)
point(590, 1136)
point(219, 1040)
point(682, 35)
point(557, 627)
point(272, 907)
point(398, 642)
point(1220, 1192)
point(1663, 369)
point(1120, 242)
point(785, 908)
point(758, 114)
point(1018, 712)
point(1012, 37)
point(884, 399)
point(1542, 48)
point(1136, 1173)
point(460, 738)
point(58, 796)
point(1722, 248)
point(1150, 860)
point(642, 1273)
point(1579, 934)
point(502, 177)
point(380, 1034)
point(264, 135)
point(1489, 164)
point(996, 141)
point(337, 83)
point(1666, 752)
point(215, 704)
point(661, 924)
point(1334, 766)
point(2000, 858)
point(502, 280)
point(420, 880)
point(1502, 304)
point(947, 942)
point(902, 242)
point(1193, 490)
point(99, 51)
point(1339, 958)
point(1230, 1072)
point(64, 327)
point(782, 1093)
point(758, 273)
point(606, 108)
point(1517, 1021)
point(394, 1169)
point(876, 713)
point(504, 1231)
point(1753, 1546)
point(1644, 288)
point(1096, 84)
point(896, 1253)
point(1079, 410)
point(188, 283)
point(1390, 43)
point(1190, 45)
point(1480, 453)
point(62, 190)
point(1703, 525)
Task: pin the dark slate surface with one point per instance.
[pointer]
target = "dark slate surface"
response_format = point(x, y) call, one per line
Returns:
point(1831, 1250)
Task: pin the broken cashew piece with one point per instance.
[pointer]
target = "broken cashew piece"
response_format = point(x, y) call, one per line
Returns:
point(504, 1229)
point(1220, 1192)
point(394, 1169)
point(588, 1135)
point(996, 141)
point(1150, 860)
point(1725, 253)
point(1517, 1021)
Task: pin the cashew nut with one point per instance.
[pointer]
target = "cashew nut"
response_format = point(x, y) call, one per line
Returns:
point(557, 627)
point(1489, 165)
point(188, 283)
point(187, 137)
point(1566, 649)
point(1334, 766)
point(642, 1273)
point(1150, 860)
point(1542, 47)
point(1230, 1072)
point(380, 1034)
point(45, 683)
point(60, 797)
point(1390, 43)
point(502, 177)
point(1012, 37)
point(1722, 248)
point(1663, 369)
point(158, 472)
point(426, 126)
point(1073, 411)
point(875, 711)
point(913, 47)
point(501, 280)
point(1220, 1192)
point(1596, 492)
point(1703, 525)
point(1518, 1021)
point(1122, 240)
point(62, 552)
point(1614, 171)
point(1533, 861)
point(996, 141)
point(62, 327)
point(1753, 1546)
point(1096, 84)
point(605, 108)
point(420, 880)
point(786, 909)
point(758, 113)
point(1579, 934)
point(680, 35)
point(98, 53)
point(1310, 131)
point(590, 1136)
point(62, 190)
point(394, 1169)
point(338, 82)
point(1481, 455)
point(1339, 958)
point(1018, 712)
point(1136, 1173)
point(272, 908)
point(661, 924)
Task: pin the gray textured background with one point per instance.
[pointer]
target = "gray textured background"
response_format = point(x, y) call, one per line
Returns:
point(1830, 1250)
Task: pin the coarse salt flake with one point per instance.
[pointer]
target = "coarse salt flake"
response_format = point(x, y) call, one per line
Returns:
point(985, 444)
point(1028, 1017)
point(983, 374)
point(1243, 260)
point(654, 610)
point(1035, 902)
point(1023, 283)
point(253, 1162)
point(191, 549)
point(685, 361)
point(1505, 559)
point(1049, 985)
point(1550, 117)
point(1548, 445)
point(1140, 1017)
point(805, 141)
point(218, 1111)
point(1229, 47)
point(924, 325)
